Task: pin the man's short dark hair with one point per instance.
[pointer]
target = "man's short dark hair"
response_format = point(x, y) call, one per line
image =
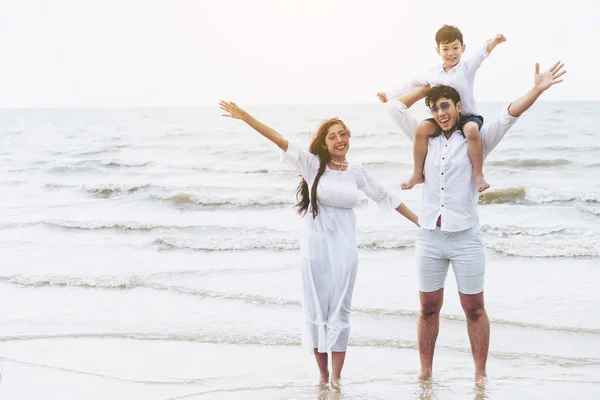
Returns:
point(448, 34)
point(440, 92)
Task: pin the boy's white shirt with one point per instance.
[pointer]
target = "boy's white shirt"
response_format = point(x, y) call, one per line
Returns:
point(461, 78)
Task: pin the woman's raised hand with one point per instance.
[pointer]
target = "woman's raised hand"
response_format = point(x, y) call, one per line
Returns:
point(232, 110)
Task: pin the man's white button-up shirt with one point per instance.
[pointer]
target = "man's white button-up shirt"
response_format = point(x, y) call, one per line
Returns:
point(449, 191)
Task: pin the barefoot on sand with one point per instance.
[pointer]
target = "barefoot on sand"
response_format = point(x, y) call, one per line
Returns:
point(324, 378)
point(480, 380)
point(336, 383)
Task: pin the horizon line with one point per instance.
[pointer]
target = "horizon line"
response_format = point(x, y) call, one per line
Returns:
point(66, 107)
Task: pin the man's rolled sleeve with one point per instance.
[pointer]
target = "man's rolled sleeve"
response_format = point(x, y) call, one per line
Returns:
point(493, 131)
point(403, 118)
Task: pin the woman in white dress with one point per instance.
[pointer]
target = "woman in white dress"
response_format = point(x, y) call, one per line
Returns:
point(329, 190)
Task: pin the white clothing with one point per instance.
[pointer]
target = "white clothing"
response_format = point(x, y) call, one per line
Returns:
point(461, 77)
point(449, 190)
point(435, 249)
point(328, 247)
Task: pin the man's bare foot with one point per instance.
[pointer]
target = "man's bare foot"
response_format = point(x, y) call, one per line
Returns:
point(480, 379)
point(415, 179)
point(481, 183)
point(425, 375)
point(336, 382)
point(324, 378)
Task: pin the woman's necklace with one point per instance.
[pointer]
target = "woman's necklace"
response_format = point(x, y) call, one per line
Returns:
point(339, 164)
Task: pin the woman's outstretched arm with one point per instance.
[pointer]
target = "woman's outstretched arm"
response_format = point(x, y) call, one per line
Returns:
point(233, 111)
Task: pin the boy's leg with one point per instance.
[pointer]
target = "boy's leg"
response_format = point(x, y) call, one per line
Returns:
point(424, 130)
point(475, 149)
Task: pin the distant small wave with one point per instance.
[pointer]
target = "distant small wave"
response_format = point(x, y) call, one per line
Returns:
point(132, 282)
point(573, 248)
point(106, 150)
point(510, 230)
point(126, 226)
point(256, 241)
point(448, 317)
point(395, 164)
point(275, 339)
point(590, 210)
point(503, 196)
point(191, 199)
point(278, 244)
point(200, 337)
point(563, 149)
point(104, 191)
point(89, 165)
point(98, 282)
point(519, 195)
point(231, 170)
point(388, 243)
point(530, 163)
point(115, 190)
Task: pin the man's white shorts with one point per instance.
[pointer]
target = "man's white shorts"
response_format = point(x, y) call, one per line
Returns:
point(435, 249)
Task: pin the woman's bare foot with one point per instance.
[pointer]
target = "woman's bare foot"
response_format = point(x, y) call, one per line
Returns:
point(415, 179)
point(336, 382)
point(324, 378)
point(481, 183)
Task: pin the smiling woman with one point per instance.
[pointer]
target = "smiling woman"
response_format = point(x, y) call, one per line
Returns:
point(328, 245)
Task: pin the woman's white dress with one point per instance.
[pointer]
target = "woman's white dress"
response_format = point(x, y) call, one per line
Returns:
point(328, 247)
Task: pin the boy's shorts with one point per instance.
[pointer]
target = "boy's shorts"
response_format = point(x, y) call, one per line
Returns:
point(478, 119)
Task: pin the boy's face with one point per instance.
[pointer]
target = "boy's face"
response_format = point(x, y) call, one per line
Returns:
point(451, 52)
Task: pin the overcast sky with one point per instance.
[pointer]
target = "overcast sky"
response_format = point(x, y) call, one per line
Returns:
point(64, 53)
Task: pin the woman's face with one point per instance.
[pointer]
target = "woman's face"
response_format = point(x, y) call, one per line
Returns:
point(337, 142)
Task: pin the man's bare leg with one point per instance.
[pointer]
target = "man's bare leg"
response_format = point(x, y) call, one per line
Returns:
point(478, 326)
point(475, 150)
point(323, 369)
point(337, 363)
point(428, 328)
point(424, 130)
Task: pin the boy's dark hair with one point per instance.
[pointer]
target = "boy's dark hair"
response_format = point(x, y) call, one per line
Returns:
point(439, 92)
point(448, 34)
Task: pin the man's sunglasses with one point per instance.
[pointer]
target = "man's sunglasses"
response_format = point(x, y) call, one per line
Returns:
point(444, 106)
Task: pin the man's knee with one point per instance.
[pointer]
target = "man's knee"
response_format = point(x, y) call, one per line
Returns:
point(473, 308)
point(471, 131)
point(431, 307)
point(426, 129)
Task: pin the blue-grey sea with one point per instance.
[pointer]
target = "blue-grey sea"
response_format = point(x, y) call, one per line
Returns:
point(152, 253)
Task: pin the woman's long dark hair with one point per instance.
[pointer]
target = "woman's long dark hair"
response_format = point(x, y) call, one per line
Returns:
point(318, 148)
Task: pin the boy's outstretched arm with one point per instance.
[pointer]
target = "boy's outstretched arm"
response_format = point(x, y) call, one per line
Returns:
point(410, 98)
point(398, 109)
point(499, 38)
point(415, 83)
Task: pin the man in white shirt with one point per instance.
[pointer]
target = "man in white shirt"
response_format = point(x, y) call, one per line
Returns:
point(449, 223)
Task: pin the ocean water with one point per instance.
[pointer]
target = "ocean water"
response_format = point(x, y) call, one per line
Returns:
point(153, 254)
